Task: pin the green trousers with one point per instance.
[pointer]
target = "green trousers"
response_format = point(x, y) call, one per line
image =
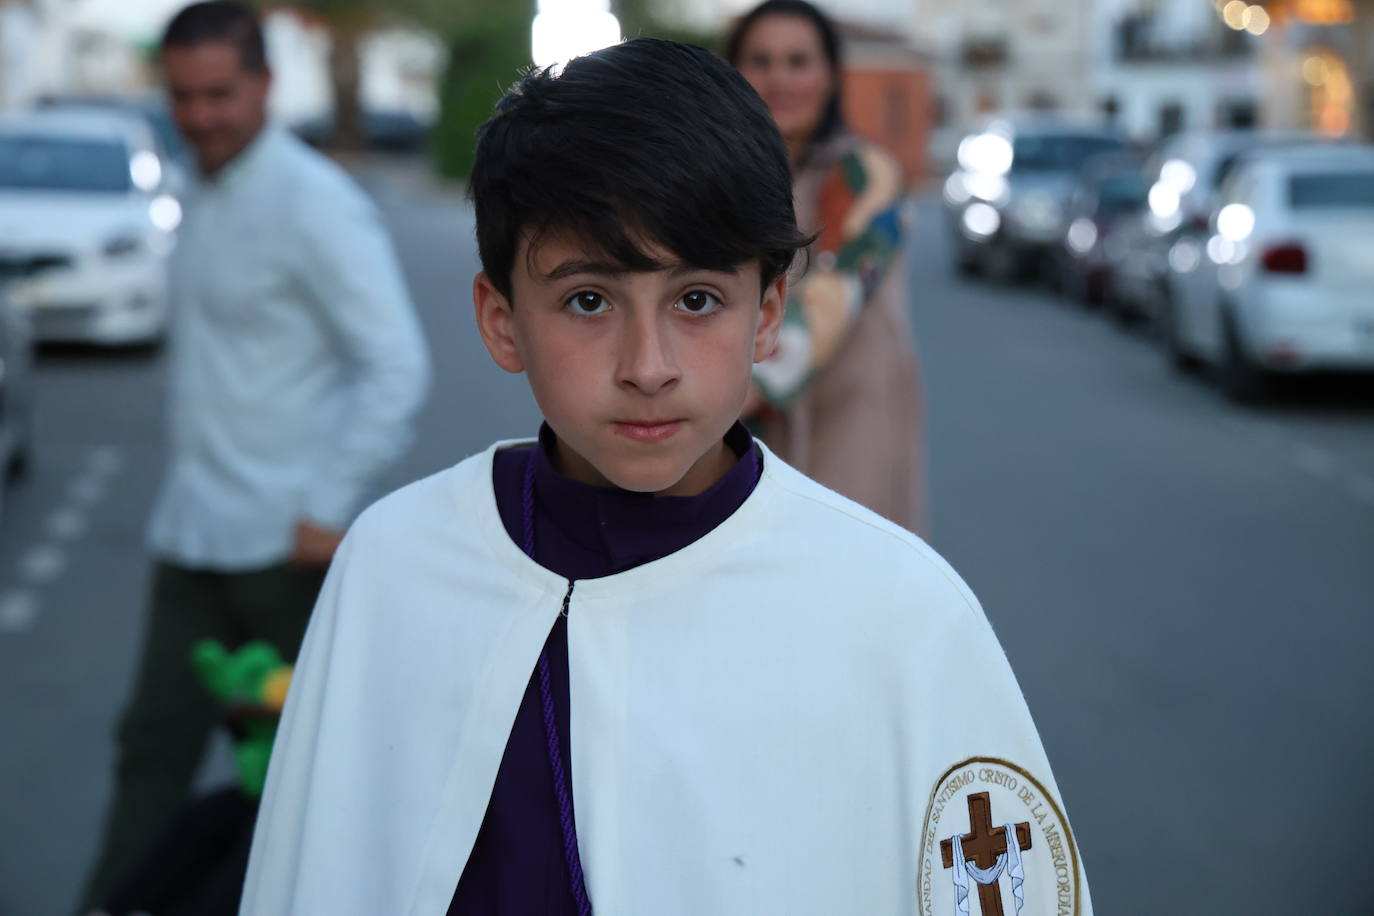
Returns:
point(169, 719)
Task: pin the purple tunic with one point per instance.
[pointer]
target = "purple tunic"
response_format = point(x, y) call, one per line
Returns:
point(581, 532)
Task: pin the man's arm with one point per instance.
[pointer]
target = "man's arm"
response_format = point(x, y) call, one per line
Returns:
point(351, 273)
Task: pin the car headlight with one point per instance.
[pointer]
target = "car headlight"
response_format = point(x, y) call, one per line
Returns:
point(123, 245)
point(165, 212)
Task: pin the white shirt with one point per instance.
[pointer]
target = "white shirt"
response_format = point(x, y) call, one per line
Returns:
point(297, 362)
point(788, 716)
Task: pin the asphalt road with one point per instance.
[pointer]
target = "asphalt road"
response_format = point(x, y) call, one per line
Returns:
point(1185, 589)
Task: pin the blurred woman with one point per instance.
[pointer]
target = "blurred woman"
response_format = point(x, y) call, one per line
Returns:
point(840, 398)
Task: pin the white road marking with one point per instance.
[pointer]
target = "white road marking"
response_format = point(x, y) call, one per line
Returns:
point(43, 563)
point(1315, 461)
point(18, 609)
point(47, 561)
point(86, 491)
point(107, 460)
point(66, 524)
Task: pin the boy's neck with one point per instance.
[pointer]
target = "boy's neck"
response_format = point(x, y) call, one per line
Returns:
point(702, 475)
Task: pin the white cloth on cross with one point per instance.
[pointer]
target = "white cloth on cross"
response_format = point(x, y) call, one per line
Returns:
point(1008, 862)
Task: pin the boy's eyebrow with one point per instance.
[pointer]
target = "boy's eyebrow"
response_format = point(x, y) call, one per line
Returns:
point(576, 266)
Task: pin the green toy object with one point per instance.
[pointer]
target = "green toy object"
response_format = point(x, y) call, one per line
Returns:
point(251, 682)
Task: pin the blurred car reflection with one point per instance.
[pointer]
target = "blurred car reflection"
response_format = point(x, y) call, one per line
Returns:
point(1005, 203)
point(1166, 240)
point(1109, 191)
point(16, 392)
point(1283, 283)
point(86, 225)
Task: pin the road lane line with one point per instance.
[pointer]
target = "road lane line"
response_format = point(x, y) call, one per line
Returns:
point(67, 524)
point(43, 563)
point(18, 609)
point(107, 460)
point(1315, 461)
point(86, 490)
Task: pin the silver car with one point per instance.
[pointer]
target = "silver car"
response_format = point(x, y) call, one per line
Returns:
point(1005, 205)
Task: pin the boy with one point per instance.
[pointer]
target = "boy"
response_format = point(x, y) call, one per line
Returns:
point(640, 666)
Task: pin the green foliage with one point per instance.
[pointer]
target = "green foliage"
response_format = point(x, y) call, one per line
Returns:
point(487, 55)
point(485, 58)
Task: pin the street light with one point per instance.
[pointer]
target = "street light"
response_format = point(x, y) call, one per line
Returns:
point(564, 29)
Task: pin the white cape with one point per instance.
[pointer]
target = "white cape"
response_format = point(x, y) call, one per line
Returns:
point(758, 721)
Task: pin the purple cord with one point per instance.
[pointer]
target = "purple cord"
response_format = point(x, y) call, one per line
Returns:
point(555, 744)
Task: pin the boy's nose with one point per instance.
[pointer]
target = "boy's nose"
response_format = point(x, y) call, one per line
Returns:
point(647, 363)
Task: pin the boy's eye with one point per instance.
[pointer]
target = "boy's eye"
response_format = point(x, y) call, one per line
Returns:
point(587, 303)
point(699, 302)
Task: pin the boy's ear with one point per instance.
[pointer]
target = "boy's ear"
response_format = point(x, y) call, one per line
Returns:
point(496, 323)
point(770, 318)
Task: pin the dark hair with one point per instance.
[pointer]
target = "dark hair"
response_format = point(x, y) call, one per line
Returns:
point(220, 20)
point(832, 118)
point(645, 141)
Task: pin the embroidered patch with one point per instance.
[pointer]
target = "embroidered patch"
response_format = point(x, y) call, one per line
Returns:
point(996, 843)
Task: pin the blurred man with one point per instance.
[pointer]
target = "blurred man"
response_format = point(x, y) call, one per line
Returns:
point(296, 369)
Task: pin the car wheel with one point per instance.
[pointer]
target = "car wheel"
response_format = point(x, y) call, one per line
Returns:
point(1241, 379)
point(21, 462)
point(21, 459)
point(964, 260)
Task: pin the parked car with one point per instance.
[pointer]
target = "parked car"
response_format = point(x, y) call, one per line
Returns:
point(150, 109)
point(1184, 173)
point(1283, 283)
point(86, 225)
point(16, 393)
point(1005, 203)
point(1109, 190)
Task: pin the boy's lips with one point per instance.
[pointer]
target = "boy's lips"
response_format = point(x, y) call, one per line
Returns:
point(646, 430)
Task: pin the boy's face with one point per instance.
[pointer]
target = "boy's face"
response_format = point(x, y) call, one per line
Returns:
point(639, 375)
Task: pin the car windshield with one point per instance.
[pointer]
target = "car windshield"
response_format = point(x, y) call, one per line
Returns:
point(1057, 152)
point(1331, 189)
point(1122, 194)
point(43, 163)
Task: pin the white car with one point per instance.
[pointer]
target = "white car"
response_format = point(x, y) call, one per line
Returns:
point(86, 225)
point(1284, 283)
point(1185, 174)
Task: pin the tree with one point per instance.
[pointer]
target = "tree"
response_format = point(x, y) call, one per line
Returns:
point(489, 45)
point(349, 21)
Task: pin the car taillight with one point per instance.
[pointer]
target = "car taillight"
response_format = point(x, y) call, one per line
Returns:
point(1285, 259)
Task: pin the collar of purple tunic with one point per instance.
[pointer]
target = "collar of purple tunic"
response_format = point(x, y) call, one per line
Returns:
point(606, 530)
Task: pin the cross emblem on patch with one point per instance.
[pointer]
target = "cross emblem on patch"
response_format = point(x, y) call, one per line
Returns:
point(983, 847)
